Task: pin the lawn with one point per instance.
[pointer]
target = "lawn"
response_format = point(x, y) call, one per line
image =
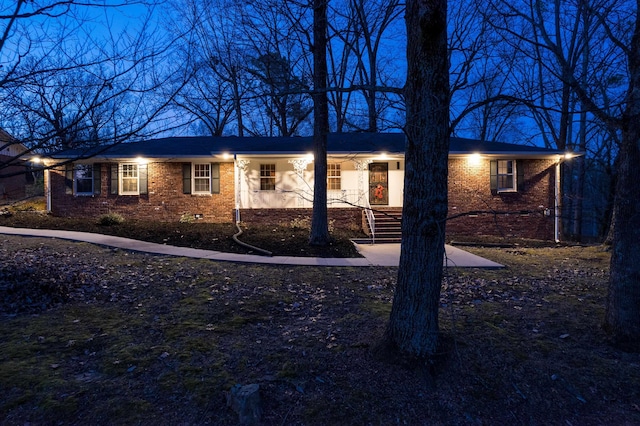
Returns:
point(93, 335)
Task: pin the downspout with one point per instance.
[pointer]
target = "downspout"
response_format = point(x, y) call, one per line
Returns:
point(238, 194)
point(47, 189)
point(557, 204)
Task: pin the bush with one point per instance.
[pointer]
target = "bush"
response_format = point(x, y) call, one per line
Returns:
point(110, 219)
point(187, 218)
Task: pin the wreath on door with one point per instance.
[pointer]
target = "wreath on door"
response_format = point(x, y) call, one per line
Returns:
point(378, 192)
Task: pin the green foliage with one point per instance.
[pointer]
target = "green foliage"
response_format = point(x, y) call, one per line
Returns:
point(110, 219)
point(187, 218)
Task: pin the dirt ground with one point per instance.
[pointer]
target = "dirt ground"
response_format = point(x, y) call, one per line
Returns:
point(93, 335)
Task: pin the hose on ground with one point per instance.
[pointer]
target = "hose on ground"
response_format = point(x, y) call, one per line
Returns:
point(249, 246)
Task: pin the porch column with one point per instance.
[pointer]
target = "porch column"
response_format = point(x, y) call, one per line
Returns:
point(300, 165)
point(241, 168)
point(363, 188)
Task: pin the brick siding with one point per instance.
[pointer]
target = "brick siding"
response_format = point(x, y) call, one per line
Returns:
point(508, 214)
point(164, 202)
point(12, 187)
point(518, 214)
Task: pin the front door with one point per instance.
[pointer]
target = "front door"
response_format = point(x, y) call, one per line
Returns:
point(379, 184)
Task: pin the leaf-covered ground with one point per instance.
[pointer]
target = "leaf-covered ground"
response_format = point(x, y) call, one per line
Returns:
point(286, 239)
point(92, 335)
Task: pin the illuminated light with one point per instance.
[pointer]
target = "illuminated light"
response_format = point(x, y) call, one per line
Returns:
point(383, 156)
point(36, 160)
point(141, 160)
point(474, 159)
point(568, 156)
point(310, 156)
point(226, 155)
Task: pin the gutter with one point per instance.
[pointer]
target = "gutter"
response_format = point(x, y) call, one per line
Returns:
point(557, 204)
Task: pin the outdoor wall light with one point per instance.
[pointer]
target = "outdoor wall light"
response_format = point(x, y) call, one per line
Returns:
point(141, 160)
point(226, 155)
point(309, 156)
point(474, 159)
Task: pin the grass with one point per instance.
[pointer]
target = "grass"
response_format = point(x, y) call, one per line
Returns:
point(145, 339)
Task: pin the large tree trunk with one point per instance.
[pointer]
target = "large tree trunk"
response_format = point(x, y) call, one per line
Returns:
point(319, 221)
point(413, 324)
point(622, 317)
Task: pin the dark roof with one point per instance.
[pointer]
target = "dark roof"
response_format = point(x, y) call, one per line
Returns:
point(337, 143)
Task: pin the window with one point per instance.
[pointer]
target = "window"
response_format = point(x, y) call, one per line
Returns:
point(267, 177)
point(202, 178)
point(507, 176)
point(83, 179)
point(333, 177)
point(129, 179)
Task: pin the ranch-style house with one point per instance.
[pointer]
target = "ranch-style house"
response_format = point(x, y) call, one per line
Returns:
point(494, 188)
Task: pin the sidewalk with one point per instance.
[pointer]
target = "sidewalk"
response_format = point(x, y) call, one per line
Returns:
point(374, 255)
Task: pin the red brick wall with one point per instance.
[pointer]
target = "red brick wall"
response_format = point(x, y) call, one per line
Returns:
point(518, 214)
point(339, 218)
point(12, 187)
point(164, 202)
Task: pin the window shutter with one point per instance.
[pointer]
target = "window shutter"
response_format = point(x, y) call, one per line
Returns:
point(493, 167)
point(215, 178)
point(520, 174)
point(114, 179)
point(97, 178)
point(68, 178)
point(143, 176)
point(186, 178)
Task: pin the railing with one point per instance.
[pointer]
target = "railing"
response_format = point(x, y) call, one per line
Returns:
point(299, 199)
point(371, 219)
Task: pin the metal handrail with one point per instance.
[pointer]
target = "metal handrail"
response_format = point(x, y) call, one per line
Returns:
point(371, 219)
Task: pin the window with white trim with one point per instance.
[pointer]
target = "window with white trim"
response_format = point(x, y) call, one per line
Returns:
point(129, 179)
point(267, 177)
point(83, 179)
point(334, 178)
point(202, 178)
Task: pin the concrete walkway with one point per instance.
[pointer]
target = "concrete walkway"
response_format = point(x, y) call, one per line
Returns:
point(374, 255)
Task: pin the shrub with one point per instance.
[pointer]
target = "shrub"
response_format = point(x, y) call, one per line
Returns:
point(187, 218)
point(110, 219)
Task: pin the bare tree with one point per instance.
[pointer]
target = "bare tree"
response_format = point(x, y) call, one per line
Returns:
point(67, 81)
point(413, 324)
point(609, 92)
point(319, 222)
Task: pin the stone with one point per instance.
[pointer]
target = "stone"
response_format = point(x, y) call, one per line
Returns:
point(245, 401)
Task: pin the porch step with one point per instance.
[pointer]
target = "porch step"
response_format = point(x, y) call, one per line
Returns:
point(388, 225)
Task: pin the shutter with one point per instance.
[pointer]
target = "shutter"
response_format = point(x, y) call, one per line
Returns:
point(68, 178)
point(215, 178)
point(186, 178)
point(114, 179)
point(143, 178)
point(97, 178)
point(493, 167)
point(520, 175)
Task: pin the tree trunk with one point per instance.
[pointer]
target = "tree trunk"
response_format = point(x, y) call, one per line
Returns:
point(622, 318)
point(319, 221)
point(413, 324)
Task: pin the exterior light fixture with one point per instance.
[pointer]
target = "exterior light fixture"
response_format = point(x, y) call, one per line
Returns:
point(141, 160)
point(474, 159)
point(226, 155)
